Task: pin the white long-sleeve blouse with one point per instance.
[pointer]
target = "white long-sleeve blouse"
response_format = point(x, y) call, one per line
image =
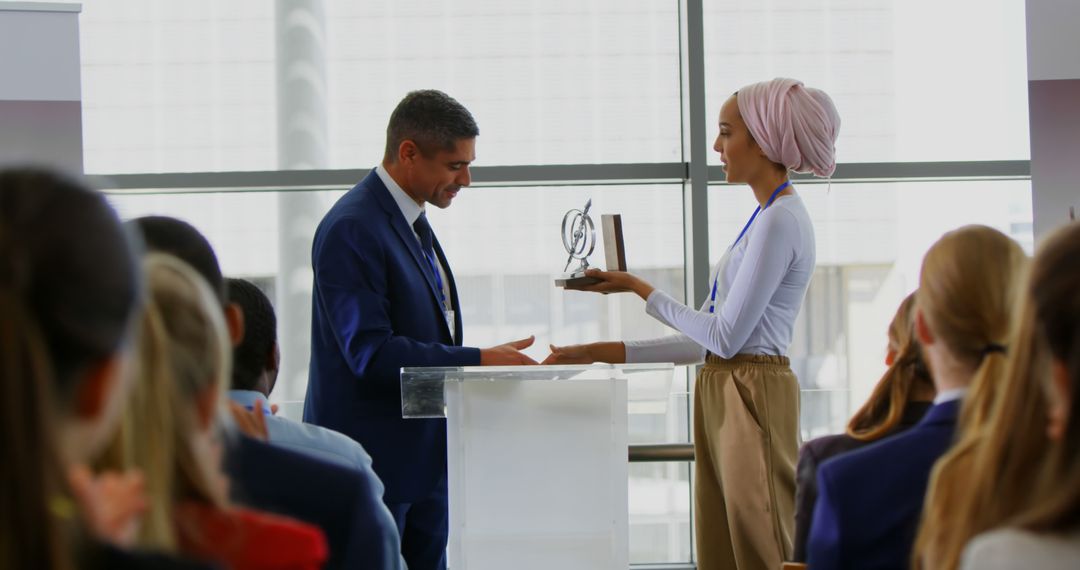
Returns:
point(758, 295)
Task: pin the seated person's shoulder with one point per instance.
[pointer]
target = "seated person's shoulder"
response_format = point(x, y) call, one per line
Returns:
point(851, 466)
point(1015, 548)
point(822, 448)
point(250, 461)
point(256, 539)
point(321, 442)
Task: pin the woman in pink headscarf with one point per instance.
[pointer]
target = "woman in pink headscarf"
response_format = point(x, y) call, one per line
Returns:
point(746, 409)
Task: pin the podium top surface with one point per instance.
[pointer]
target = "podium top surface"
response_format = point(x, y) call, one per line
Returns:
point(541, 372)
point(423, 395)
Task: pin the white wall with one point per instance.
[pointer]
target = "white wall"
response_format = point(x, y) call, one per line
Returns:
point(40, 107)
point(1054, 109)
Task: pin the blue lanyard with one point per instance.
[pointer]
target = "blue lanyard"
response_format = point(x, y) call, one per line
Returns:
point(438, 278)
point(779, 189)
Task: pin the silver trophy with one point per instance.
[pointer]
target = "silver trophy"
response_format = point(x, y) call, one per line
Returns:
point(579, 239)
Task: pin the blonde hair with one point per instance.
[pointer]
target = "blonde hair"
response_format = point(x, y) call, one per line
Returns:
point(183, 352)
point(1055, 279)
point(884, 409)
point(968, 289)
point(965, 494)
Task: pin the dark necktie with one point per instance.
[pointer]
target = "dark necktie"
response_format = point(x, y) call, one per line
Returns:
point(427, 239)
point(427, 244)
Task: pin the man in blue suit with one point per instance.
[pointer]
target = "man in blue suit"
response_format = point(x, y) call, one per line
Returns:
point(385, 298)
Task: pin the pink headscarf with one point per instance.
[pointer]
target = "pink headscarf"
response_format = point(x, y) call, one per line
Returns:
point(795, 125)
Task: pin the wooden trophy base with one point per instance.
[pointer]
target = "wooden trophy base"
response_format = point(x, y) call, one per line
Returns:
point(575, 280)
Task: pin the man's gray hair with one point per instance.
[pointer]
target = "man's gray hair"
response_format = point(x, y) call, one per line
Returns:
point(431, 119)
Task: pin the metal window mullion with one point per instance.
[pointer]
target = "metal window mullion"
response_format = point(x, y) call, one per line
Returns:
point(696, 183)
point(695, 151)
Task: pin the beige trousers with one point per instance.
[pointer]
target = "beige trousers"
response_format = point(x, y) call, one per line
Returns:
point(746, 440)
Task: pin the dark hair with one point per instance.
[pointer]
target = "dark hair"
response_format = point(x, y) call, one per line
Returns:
point(180, 239)
point(884, 409)
point(1055, 280)
point(69, 287)
point(260, 333)
point(431, 119)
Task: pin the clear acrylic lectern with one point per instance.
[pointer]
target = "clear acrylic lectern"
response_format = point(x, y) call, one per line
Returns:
point(537, 459)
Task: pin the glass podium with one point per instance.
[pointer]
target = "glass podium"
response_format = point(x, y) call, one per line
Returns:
point(536, 459)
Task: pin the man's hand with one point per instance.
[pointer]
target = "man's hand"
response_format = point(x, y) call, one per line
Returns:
point(251, 423)
point(508, 354)
point(615, 282)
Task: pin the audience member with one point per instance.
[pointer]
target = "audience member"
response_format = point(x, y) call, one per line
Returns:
point(255, 369)
point(169, 432)
point(1011, 462)
point(69, 293)
point(900, 399)
point(341, 501)
point(870, 499)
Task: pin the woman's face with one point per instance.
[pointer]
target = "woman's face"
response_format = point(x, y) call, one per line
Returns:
point(741, 156)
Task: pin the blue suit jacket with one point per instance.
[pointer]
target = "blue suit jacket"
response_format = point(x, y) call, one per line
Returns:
point(376, 309)
point(343, 502)
point(870, 500)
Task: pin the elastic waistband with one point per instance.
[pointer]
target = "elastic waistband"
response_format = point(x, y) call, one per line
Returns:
point(712, 360)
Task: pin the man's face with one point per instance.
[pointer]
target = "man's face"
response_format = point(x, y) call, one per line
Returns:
point(437, 179)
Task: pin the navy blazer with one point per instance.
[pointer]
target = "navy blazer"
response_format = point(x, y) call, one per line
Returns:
point(343, 502)
point(870, 500)
point(815, 452)
point(376, 309)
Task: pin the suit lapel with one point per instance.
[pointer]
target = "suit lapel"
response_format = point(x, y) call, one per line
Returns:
point(404, 232)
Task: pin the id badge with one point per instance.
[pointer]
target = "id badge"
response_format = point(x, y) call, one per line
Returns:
point(449, 314)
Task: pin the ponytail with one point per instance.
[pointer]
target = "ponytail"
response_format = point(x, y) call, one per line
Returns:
point(990, 472)
point(984, 392)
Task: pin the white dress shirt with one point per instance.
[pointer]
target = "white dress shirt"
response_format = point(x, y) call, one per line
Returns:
point(411, 210)
point(949, 395)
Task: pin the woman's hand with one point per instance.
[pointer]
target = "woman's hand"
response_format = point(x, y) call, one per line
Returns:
point(112, 503)
point(572, 354)
point(615, 282)
point(611, 352)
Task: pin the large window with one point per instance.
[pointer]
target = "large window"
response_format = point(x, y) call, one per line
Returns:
point(907, 87)
point(190, 86)
point(176, 95)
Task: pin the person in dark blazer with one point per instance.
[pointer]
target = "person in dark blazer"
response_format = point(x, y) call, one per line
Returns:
point(870, 500)
point(900, 399)
point(385, 298)
point(343, 502)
